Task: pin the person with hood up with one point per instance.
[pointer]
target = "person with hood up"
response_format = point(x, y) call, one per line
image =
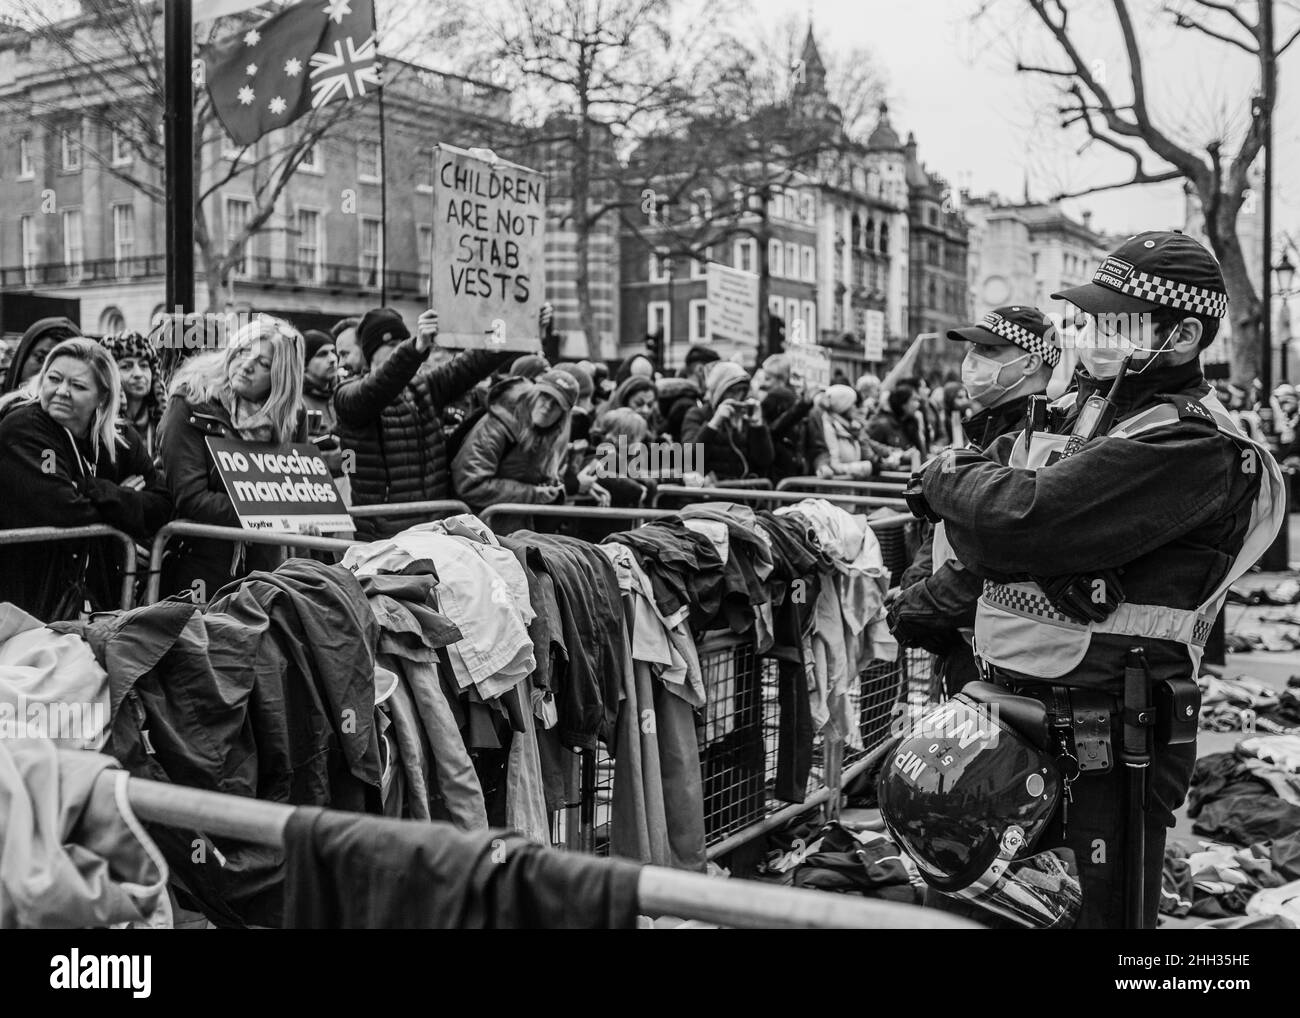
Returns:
point(516, 452)
point(145, 395)
point(677, 396)
point(66, 460)
point(639, 395)
point(841, 430)
point(736, 444)
point(36, 344)
point(583, 412)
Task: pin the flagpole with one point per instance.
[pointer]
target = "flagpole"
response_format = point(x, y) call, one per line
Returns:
point(178, 145)
point(383, 199)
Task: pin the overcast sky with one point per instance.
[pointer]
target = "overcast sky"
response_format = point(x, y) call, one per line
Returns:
point(983, 125)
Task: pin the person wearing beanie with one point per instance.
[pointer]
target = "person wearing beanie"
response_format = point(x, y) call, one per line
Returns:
point(728, 425)
point(896, 425)
point(581, 418)
point(516, 452)
point(841, 435)
point(143, 392)
point(636, 364)
point(677, 396)
point(529, 366)
point(390, 419)
point(319, 380)
point(637, 393)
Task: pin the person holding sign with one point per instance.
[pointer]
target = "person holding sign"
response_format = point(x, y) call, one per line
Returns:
point(66, 461)
point(252, 391)
point(390, 420)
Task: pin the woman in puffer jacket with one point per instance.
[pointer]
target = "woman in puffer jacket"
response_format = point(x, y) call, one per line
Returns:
point(841, 428)
point(516, 451)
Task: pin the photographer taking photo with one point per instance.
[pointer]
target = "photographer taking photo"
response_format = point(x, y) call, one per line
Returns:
point(736, 443)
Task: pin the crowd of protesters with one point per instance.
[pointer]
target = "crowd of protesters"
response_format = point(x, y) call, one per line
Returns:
point(91, 432)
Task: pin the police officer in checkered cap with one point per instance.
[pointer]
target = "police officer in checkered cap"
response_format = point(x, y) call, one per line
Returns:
point(1108, 543)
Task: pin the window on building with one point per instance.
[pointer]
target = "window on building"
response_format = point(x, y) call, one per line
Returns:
point(309, 245)
point(776, 259)
point(238, 212)
point(123, 236)
point(792, 261)
point(658, 317)
point(809, 264)
point(884, 237)
point(70, 146)
point(808, 208)
point(369, 164)
point(661, 266)
point(869, 235)
point(30, 247)
point(74, 253)
point(372, 250)
point(121, 148)
point(112, 321)
point(746, 258)
point(424, 178)
point(808, 315)
point(699, 323)
point(792, 316)
point(424, 243)
point(700, 266)
point(932, 252)
point(313, 160)
point(855, 232)
point(701, 206)
point(25, 168)
point(930, 294)
point(932, 216)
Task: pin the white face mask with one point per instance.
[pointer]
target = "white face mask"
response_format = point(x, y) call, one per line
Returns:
point(1103, 355)
point(980, 374)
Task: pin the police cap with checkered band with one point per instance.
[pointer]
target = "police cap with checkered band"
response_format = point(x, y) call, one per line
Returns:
point(1154, 271)
point(1015, 325)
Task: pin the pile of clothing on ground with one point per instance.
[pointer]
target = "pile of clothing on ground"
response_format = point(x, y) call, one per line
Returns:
point(445, 674)
point(831, 857)
point(1248, 802)
point(1244, 704)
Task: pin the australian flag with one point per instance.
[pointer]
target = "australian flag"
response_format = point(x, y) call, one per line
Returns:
point(312, 53)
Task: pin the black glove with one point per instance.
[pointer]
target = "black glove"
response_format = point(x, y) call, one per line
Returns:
point(1084, 597)
point(914, 496)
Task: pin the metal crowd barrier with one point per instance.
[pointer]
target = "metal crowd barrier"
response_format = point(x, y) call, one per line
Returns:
point(660, 891)
point(740, 734)
point(897, 476)
point(36, 535)
point(237, 535)
point(579, 512)
point(749, 496)
point(839, 484)
point(449, 506)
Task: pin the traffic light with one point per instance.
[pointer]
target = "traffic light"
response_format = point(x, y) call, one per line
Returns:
point(775, 334)
point(654, 346)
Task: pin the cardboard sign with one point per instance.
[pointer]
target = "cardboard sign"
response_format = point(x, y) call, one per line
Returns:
point(810, 364)
point(282, 488)
point(488, 280)
point(732, 313)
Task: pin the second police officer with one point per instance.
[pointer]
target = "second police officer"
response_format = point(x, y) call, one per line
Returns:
point(1107, 545)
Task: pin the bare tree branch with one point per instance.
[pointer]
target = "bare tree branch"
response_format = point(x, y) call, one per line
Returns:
point(1183, 20)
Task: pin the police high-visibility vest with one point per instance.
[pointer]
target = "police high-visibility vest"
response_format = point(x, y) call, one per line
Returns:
point(1019, 629)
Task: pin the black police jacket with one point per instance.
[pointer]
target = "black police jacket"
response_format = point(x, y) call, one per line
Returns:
point(1171, 506)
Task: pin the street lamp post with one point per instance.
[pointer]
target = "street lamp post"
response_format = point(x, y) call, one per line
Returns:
point(1285, 272)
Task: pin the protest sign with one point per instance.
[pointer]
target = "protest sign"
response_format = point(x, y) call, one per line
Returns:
point(488, 279)
point(732, 312)
point(279, 487)
point(809, 363)
point(874, 345)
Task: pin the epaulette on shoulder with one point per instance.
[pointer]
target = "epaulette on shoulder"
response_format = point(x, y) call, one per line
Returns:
point(1190, 408)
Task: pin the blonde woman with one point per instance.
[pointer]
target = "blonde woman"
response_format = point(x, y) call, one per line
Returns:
point(65, 462)
point(251, 391)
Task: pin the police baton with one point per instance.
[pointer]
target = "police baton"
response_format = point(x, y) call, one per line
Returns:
point(1138, 719)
